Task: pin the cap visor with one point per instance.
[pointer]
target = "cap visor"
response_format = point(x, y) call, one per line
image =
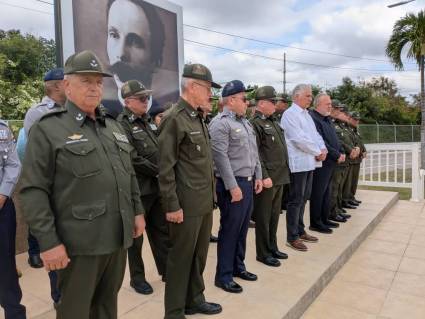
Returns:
point(144, 92)
point(104, 74)
point(215, 85)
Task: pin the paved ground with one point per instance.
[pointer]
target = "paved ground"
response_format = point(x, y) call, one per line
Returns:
point(385, 278)
point(279, 289)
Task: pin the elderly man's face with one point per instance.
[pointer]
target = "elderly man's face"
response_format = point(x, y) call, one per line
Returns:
point(267, 107)
point(281, 106)
point(304, 98)
point(138, 104)
point(239, 103)
point(324, 106)
point(129, 35)
point(85, 89)
point(202, 92)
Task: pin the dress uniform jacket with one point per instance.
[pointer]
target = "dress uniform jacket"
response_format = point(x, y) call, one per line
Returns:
point(185, 161)
point(142, 137)
point(79, 187)
point(272, 149)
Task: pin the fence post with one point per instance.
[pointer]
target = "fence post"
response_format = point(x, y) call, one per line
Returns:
point(417, 179)
point(395, 133)
point(411, 125)
point(377, 132)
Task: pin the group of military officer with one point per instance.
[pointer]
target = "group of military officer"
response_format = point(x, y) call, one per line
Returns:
point(91, 184)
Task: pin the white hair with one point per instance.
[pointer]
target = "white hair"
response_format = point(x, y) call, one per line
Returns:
point(299, 88)
point(317, 98)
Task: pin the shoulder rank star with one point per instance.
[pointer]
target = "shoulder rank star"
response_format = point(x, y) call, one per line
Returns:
point(75, 137)
point(79, 117)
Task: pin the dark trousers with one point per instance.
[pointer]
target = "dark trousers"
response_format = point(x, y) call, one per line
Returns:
point(234, 222)
point(355, 180)
point(157, 232)
point(336, 190)
point(267, 208)
point(320, 199)
point(299, 193)
point(10, 292)
point(346, 191)
point(33, 247)
point(90, 286)
point(186, 261)
point(285, 195)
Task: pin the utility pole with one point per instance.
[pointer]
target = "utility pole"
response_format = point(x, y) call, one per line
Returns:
point(284, 73)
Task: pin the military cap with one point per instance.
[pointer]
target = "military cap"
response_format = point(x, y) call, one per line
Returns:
point(133, 88)
point(234, 87)
point(53, 75)
point(283, 97)
point(267, 93)
point(355, 115)
point(85, 62)
point(199, 72)
point(336, 104)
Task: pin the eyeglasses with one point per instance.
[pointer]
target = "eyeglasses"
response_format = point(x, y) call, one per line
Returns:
point(205, 86)
point(142, 98)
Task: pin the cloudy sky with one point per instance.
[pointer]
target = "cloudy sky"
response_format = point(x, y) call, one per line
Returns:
point(324, 40)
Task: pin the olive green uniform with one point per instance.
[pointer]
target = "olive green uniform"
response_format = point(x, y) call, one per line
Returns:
point(186, 182)
point(355, 170)
point(274, 164)
point(354, 166)
point(341, 170)
point(141, 135)
point(79, 189)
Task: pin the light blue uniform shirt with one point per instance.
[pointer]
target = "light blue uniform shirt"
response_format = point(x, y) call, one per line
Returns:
point(234, 148)
point(10, 166)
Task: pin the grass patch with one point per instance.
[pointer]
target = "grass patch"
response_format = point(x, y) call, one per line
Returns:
point(404, 193)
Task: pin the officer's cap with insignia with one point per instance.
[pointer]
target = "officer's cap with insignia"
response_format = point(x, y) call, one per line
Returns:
point(234, 87)
point(199, 72)
point(134, 88)
point(53, 75)
point(284, 97)
point(266, 93)
point(84, 62)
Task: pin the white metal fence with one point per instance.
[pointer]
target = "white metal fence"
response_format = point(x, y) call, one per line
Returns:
point(393, 165)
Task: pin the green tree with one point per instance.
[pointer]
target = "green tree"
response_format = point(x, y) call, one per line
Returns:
point(409, 32)
point(23, 61)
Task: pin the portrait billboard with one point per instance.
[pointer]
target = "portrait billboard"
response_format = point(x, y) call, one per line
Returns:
point(134, 39)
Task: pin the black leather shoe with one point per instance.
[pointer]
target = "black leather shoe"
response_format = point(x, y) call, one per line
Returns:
point(347, 205)
point(358, 201)
point(35, 261)
point(331, 224)
point(269, 261)
point(321, 229)
point(338, 218)
point(206, 308)
point(346, 216)
point(213, 239)
point(246, 275)
point(143, 287)
point(354, 203)
point(232, 287)
point(279, 254)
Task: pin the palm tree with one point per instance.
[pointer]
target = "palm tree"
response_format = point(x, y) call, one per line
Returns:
point(410, 31)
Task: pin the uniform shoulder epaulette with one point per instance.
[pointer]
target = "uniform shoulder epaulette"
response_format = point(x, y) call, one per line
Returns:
point(59, 110)
point(3, 122)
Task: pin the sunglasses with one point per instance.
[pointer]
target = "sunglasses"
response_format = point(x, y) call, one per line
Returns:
point(142, 98)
